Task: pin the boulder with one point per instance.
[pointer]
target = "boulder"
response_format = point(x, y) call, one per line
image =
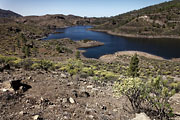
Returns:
point(141, 116)
point(14, 85)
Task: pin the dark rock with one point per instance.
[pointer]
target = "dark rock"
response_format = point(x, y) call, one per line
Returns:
point(5, 67)
point(85, 94)
point(104, 108)
point(16, 85)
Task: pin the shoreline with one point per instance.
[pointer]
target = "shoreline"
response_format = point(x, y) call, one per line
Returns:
point(89, 44)
point(134, 36)
point(112, 57)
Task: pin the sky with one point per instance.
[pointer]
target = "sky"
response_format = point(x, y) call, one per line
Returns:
point(89, 8)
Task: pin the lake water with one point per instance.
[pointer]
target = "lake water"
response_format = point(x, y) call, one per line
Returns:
point(166, 48)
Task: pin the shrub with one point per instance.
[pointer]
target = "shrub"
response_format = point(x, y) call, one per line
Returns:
point(35, 66)
point(133, 89)
point(150, 96)
point(175, 85)
point(16, 63)
point(59, 49)
point(7, 59)
point(44, 64)
point(88, 70)
point(160, 96)
point(26, 64)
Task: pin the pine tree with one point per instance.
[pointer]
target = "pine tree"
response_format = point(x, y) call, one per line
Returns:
point(133, 67)
point(77, 55)
point(18, 43)
point(27, 51)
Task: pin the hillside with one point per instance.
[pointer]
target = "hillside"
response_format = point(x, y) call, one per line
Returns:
point(8, 14)
point(155, 21)
point(55, 21)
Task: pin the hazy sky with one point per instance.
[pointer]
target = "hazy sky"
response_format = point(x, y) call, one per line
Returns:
point(88, 8)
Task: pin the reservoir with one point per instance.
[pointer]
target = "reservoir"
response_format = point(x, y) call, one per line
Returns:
point(166, 48)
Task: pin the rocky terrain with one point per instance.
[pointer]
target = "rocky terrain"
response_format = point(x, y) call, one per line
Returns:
point(74, 89)
point(56, 95)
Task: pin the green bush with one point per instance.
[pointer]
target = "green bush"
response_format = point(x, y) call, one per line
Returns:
point(44, 64)
point(159, 97)
point(150, 96)
point(26, 64)
point(7, 59)
point(59, 49)
point(133, 89)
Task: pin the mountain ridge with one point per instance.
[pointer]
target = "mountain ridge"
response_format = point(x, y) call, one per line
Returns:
point(8, 14)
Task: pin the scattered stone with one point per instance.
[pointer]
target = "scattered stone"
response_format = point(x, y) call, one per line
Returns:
point(21, 113)
point(141, 116)
point(64, 100)
point(115, 110)
point(65, 118)
point(7, 86)
point(71, 100)
point(45, 102)
point(74, 114)
point(4, 90)
point(89, 87)
point(29, 78)
point(91, 116)
point(85, 94)
point(63, 75)
point(95, 89)
point(70, 83)
point(104, 107)
point(36, 117)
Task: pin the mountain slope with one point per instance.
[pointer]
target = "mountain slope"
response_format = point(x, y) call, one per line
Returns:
point(158, 20)
point(8, 14)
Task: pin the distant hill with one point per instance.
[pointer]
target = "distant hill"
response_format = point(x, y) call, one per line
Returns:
point(8, 14)
point(158, 20)
point(55, 21)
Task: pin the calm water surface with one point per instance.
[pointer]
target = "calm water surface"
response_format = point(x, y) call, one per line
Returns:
point(166, 48)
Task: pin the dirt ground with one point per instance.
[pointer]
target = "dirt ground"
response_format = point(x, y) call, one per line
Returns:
point(57, 96)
